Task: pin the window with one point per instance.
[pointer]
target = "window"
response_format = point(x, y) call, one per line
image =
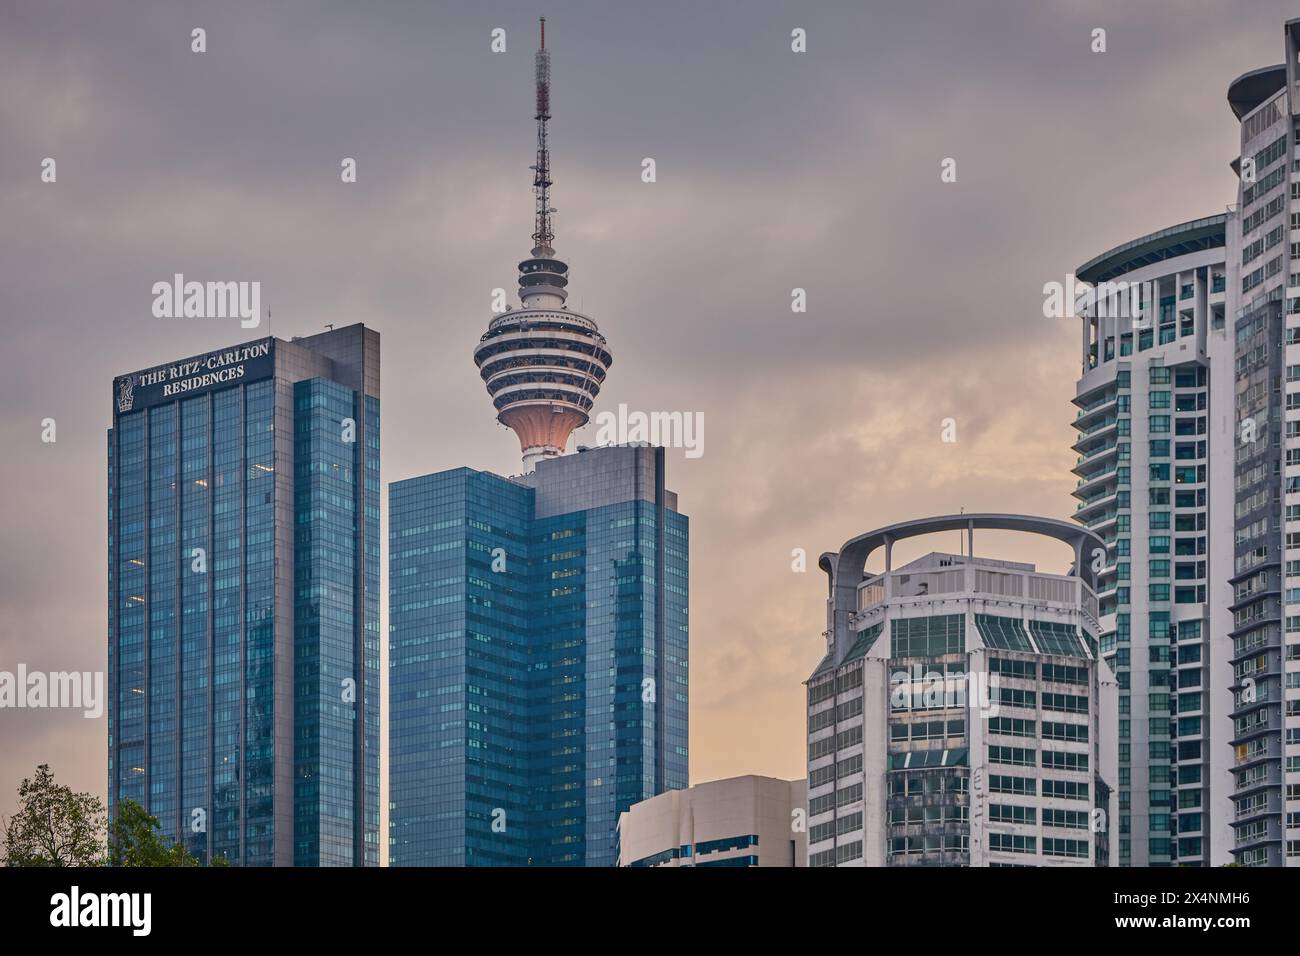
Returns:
point(1064, 760)
point(1073, 819)
point(1015, 756)
point(1054, 846)
point(1016, 697)
point(1075, 733)
point(1013, 843)
point(1070, 703)
point(1002, 633)
point(1012, 726)
point(927, 636)
point(1013, 668)
point(1064, 674)
point(1066, 789)
point(1013, 785)
point(1009, 813)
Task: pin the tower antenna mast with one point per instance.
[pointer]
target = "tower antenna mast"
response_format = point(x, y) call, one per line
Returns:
point(542, 232)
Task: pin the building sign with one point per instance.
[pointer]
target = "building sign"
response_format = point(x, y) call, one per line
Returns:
point(193, 376)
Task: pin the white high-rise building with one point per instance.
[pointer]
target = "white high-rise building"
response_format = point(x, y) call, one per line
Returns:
point(1155, 432)
point(963, 714)
point(1264, 281)
point(1189, 467)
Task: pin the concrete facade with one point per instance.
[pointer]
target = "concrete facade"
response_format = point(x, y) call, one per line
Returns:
point(740, 821)
point(963, 715)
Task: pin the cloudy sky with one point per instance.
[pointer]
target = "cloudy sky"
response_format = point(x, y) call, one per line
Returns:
point(776, 170)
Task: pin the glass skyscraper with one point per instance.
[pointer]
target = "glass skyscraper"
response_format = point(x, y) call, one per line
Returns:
point(243, 629)
point(538, 658)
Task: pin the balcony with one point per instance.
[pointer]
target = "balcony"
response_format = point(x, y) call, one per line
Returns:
point(1095, 506)
point(1088, 414)
point(1095, 429)
point(1256, 833)
point(1092, 488)
point(1095, 460)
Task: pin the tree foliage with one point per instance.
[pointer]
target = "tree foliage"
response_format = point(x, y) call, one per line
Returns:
point(54, 826)
point(136, 839)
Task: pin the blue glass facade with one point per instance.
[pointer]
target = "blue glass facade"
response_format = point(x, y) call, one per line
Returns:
point(538, 659)
point(244, 599)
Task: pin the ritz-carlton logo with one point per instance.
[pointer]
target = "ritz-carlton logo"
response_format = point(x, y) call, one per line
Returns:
point(126, 394)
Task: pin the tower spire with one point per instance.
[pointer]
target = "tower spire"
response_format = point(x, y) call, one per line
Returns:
point(542, 232)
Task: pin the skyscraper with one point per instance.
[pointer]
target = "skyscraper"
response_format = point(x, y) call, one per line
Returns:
point(962, 715)
point(1264, 281)
point(1155, 439)
point(538, 662)
point(243, 629)
point(1189, 421)
point(538, 629)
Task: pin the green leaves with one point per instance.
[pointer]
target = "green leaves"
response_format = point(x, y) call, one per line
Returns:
point(136, 839)
point(54, 826)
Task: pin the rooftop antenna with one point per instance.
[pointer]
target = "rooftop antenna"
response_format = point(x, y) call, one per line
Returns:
point(543, 235)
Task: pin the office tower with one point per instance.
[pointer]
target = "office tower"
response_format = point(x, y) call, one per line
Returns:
point(543, 364)
point(1264, 282)
point(962, 715)
point(537, 623)
point(1154, 440)
point(538, 682)
point(741, 821)
point(243, 627)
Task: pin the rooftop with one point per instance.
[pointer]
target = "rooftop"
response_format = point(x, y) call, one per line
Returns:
point(1249, 90)
point(1169, 243)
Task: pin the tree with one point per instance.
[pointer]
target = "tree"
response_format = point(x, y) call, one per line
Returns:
point(136, 839)
point(54, 826)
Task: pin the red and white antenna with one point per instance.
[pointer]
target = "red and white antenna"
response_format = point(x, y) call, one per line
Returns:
point(543, 235)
